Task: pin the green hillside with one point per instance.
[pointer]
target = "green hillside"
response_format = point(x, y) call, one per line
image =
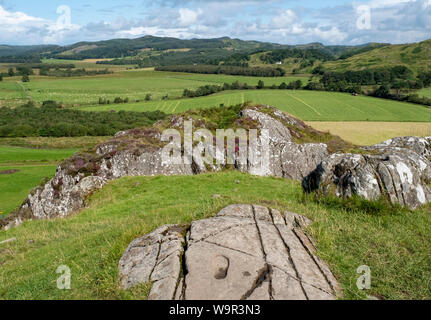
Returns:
point(304, 58)
point(416, 56)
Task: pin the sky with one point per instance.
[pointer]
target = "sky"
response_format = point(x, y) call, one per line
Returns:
point(24, 22)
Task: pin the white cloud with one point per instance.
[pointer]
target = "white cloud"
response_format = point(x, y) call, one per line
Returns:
point(374, 4)
point(333, 35)
point(182, 33)
point(285, 19)
point(32, 30)
point(394, 21)
point(17, 18)
point(188, 17)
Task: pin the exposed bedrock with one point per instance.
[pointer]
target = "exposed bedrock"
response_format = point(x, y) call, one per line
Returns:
point(245, 252)
point(398, 169)
point(139, 153)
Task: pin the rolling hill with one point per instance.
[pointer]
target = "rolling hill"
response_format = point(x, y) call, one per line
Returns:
point(118, 48)
point(165, 50)
point(416, 56)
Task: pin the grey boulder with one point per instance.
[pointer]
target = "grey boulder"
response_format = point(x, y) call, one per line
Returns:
point(399, 170)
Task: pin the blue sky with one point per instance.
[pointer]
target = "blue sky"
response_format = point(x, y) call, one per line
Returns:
point(280, 21)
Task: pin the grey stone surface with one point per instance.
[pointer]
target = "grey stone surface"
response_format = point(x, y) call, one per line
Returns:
point(421, 146)
point(401, 176)
point(155, 258)
point(245, 252)
point(286, 158)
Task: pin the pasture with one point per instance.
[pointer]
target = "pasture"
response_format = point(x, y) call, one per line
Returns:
point(306, 105)
point(22, 169)
point(131, 84)
point(426, 92)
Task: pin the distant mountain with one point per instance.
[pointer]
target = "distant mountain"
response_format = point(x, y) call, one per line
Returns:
point(6, 50)
point(159, 51)
point(117, 48)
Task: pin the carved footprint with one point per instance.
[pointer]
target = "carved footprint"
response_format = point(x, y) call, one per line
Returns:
point(221, 267)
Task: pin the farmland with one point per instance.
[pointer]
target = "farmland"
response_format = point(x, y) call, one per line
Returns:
point(165, 90)
point(131, 84)
point(393, 241)
point(425, 92)
point(368, 133)
point(307, 105)
point(22, 169)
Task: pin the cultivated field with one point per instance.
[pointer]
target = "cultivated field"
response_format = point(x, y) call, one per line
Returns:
point(368, 133)
point(307, 105)
point(131, 84)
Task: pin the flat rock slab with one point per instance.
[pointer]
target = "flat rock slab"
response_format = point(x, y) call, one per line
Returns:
point(244, 253)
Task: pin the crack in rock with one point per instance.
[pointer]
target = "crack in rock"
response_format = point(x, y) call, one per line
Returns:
point(397, 170)
point(242, 261)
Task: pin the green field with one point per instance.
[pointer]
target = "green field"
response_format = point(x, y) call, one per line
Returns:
point(395, 244)
point(12, 93)
point(23, 155)
point(307, 105)
point(132, 84)
point(425, 92)
point(32, 164)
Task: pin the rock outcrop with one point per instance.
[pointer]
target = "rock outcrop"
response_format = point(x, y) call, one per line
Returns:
point(245, 252)
point(139, 153)
point(398, 169)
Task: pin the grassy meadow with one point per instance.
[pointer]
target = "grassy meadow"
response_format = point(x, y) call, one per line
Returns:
point(53, 143)
point(21, 169)
point(425, 92)
point(394, 243)
point(306, 105)
point(131, 84)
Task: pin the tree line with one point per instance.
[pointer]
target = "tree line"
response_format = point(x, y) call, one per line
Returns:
point(50, 120)
point(366, 77)
point(306, 54)
point(394, 83)
point(228, 70)
point(211, 89)
point(57, 72)
point(52, 70)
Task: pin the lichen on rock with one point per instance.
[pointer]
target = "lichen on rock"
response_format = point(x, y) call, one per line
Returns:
point(138, 152)
point(400, 174)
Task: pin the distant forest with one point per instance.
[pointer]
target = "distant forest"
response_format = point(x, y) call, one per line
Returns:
point(51, 120)
point(229, 70)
